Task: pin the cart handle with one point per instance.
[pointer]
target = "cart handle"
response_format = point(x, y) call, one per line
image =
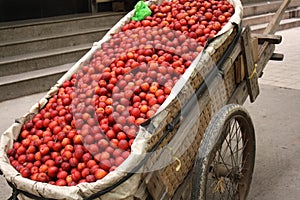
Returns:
point(272, 26)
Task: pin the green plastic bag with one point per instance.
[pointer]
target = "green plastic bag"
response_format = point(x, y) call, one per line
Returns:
point(141, 11)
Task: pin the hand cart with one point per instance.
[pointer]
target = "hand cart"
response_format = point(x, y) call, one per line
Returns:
point(218, 163)
point(225, 160)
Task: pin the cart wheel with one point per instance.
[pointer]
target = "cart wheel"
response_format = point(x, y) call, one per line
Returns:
point(225, 161)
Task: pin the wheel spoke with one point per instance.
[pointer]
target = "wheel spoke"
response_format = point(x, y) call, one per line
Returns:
point(237, 143)
point(231, 153)
point(225, 132)
point(234, 137)
point(231, 160)
point(227, 188)
point(242, 150)
point(220, 156)
point(233, 127)
point(236, 131)
point(239, 137)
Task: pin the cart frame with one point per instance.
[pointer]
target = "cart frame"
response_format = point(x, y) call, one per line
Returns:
point(251, 54)
point(256, 51)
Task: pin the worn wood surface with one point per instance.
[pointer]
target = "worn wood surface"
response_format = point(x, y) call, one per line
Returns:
point(255, 47)
point(239, 69)
point(273, 39)
point(250, 66)
point(264, 54)
point(271, 29)
point(277, 56)
point(265, 57)
point(240, 94)
point(272, 26)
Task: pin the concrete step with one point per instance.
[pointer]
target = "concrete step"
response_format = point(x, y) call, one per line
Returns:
point(14, 86)
point(41, 60)
point(25, 46)
point(265, 18)
point(284, 24)
point(266, 7)
point(35, 54)
point(21, 30)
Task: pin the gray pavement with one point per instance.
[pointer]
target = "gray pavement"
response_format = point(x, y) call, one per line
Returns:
point(276, 116)
point(287, 73)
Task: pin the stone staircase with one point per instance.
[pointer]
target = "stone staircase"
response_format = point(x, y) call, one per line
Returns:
point(258, 15)
point(35, 54)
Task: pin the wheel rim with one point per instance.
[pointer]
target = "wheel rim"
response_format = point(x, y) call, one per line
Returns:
point(230, 169)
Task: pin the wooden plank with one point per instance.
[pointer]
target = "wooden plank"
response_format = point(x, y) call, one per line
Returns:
point(273, 39)
point(277, 56)
point(240, 94)
point(272, 26)
point(265, 53)
point(250, 66)
point(239, 69)
point(232, 58)
point(271, 29)
point(255, 49)
point(264, 58)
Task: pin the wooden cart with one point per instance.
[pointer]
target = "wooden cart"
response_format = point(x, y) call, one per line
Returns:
point(221, 166)
point(225, 160)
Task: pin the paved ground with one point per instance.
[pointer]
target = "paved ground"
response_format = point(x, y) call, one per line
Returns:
point(276, 115)
point(287, 73)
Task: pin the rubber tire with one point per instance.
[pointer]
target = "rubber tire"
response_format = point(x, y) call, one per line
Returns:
point(212, 141)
